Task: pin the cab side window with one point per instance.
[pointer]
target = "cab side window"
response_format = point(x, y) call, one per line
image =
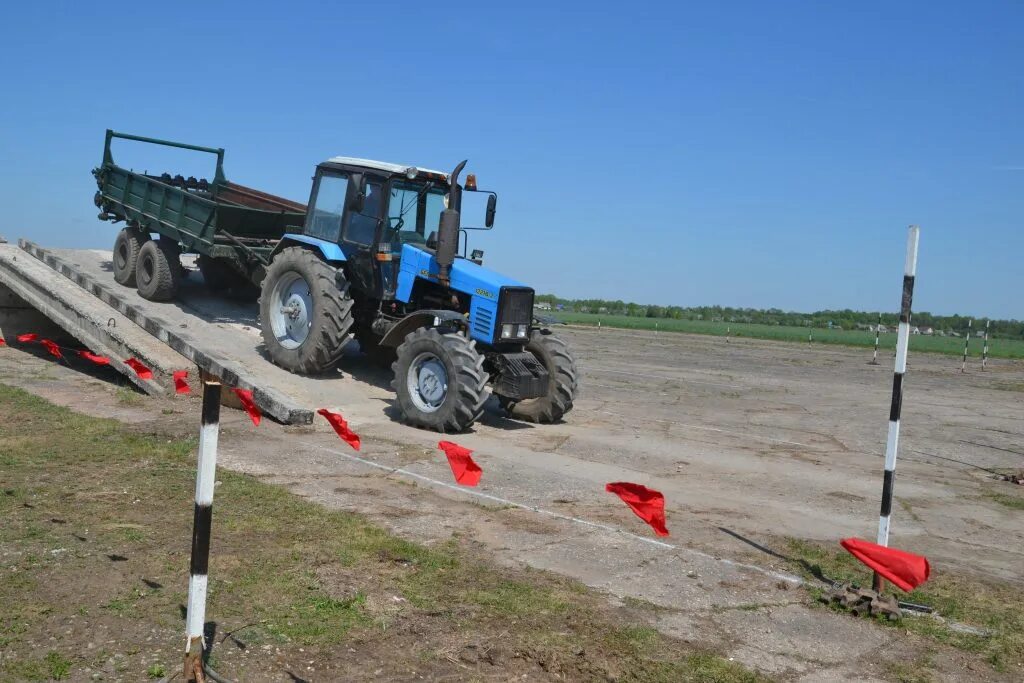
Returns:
point(324, 220)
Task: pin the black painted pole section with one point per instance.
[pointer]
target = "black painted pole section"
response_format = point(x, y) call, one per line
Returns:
point(967, 342)
point(893, 439)
point(984, 349)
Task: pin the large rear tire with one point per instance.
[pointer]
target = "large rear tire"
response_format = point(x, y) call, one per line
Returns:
point(553, 354)
point(126, 255)
point(305, 312)
point(158, 272)
point(439, 380)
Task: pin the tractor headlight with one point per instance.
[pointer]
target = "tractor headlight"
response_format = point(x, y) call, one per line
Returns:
point(506, 331)
point(521, 331)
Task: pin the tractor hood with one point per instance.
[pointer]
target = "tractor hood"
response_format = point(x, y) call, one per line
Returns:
point(466, 276)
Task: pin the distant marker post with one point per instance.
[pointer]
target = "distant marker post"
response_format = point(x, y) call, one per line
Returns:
point(967, 342)
point(878, 327)
point(984, 348)
point(893, 439)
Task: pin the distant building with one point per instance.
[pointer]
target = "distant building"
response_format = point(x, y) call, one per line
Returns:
point(980, 334)
point(915, 330)
point(543, 306)
point(927, 331)
point(881, 329)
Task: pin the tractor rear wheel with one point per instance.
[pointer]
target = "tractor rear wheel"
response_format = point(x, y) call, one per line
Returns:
point(158, 271)
point(553, 354)
point(440, 380)
point(126, 255)
point(305, 312)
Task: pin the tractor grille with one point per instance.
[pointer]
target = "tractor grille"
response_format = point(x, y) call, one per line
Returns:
point(482, 322)
point(515, 305)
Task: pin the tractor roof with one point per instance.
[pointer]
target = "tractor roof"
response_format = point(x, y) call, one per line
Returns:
point(386, 166)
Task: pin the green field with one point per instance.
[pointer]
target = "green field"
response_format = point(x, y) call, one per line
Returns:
point(998, 348)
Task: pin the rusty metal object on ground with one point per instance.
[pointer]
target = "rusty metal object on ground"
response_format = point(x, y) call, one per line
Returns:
point(863, 601)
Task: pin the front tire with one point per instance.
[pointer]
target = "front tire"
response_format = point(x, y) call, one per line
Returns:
point(439, 380)
point(126, 255)
point(158, 271)
point(553, 354)
point(305, 312)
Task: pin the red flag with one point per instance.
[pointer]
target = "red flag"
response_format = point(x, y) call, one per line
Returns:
point(141, 370)
point(341, 427)
point(3, 342)
point(26, 338)
point(52, 348)
point(245, 396)
point(465, 470)
point(98, 360)
point(648, 504)
point(180, 385)
point(903, 569)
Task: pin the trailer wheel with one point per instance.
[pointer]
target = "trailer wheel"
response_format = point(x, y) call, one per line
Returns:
point(440, 380)
point(553, 354)
point(305, 311)
point(158, 272)
point(126, 255)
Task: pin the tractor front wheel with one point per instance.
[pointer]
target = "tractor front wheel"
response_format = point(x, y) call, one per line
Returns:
point(305, 311)
point(553, 354)
point(440, 380)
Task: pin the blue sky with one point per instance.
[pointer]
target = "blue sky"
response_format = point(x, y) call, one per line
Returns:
point(746, 154)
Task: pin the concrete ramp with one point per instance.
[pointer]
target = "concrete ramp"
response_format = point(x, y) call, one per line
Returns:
point(217, 335)
point(87, 319)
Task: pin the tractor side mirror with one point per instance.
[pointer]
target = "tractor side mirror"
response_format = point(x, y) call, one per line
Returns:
point(492, 203)
point(355, 193)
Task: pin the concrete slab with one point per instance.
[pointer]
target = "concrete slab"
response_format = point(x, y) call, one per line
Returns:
point(83, 317)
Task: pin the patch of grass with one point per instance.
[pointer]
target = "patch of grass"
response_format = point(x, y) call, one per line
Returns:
point(58, 665)
point(310, 582)
point(128, 396)
point(986, 604)
point(998, 348)
point(1005, 499)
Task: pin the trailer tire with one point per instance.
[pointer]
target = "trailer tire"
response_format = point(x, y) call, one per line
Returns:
point(553, 354)
point(126, 255)
point(158, 272)
point(428, 355)
point(325, 311)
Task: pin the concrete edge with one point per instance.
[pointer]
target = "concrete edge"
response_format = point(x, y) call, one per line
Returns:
point(270, 401)
point(16, 282)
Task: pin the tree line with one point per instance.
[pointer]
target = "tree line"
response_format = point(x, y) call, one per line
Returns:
point(846, 319)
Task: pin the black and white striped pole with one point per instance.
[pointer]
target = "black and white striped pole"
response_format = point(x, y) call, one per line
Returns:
point(967, 342)
point(984, 348)
point(893, 439)
point(206, 473)
point(878, 328)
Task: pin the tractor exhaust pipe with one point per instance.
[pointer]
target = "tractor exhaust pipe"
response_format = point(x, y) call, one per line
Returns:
point(448, 231)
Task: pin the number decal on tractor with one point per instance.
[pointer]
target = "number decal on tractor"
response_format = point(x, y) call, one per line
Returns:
point(484, 292)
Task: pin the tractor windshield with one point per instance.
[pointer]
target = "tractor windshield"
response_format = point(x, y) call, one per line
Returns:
point(414, 211)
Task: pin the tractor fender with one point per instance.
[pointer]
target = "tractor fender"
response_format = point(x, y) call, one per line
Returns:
point(330, 251)
point(424, 318)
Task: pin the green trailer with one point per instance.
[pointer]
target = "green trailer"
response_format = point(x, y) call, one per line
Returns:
point(232, 228)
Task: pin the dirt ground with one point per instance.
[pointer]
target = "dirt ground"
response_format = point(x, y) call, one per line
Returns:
point(751, 442)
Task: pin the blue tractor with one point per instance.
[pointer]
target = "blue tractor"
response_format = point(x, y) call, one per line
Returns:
point(377, 258)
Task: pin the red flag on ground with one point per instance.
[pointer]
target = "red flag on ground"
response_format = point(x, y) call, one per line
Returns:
point(180, 385)
point(141, 370)
point(28, 337)
point(52, 348)
point(245, 396)
point(905, 570)
point(3, 342)
point(98, 360)
point(648, 504)
point(465, 470)
point(341, 427)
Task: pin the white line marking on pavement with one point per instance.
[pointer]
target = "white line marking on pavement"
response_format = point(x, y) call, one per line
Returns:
point(576, 520)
